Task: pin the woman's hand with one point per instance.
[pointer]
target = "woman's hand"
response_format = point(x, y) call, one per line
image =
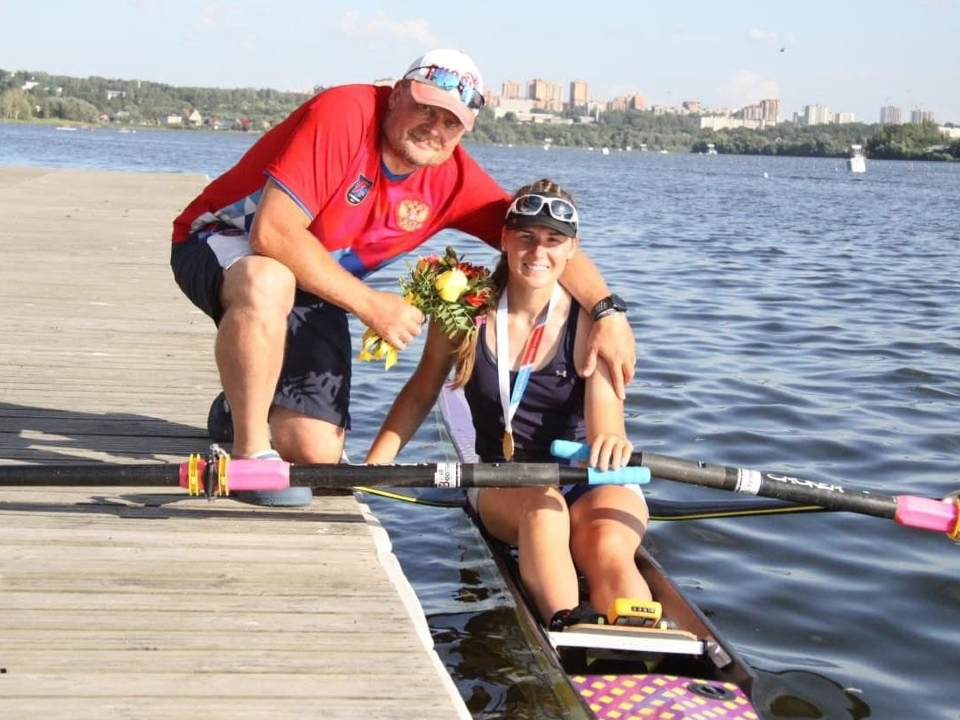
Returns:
point(610, 452)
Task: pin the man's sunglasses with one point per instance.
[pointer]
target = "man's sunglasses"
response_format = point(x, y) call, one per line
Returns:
point(449, 82)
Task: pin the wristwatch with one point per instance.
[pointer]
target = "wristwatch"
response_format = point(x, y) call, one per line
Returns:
point(607, 306)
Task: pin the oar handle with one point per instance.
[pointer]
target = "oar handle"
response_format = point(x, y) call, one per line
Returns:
point(570, 450)
point(907, 510)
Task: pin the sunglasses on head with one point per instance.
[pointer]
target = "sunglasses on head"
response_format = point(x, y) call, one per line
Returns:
point(449, 82)
point(559, 209)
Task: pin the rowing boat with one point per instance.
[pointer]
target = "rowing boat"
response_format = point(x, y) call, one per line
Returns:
point(679, 669)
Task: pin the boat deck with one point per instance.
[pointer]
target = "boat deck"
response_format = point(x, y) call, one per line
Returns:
point(146, 603)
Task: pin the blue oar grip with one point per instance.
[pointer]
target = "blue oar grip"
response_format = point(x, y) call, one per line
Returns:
point(570, 450)
point(623, 476)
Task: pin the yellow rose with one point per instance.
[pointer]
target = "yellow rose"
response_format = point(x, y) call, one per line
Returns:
point(451, 284)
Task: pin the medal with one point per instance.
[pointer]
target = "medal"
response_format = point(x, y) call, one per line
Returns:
point(510, 401)
point(508, 446)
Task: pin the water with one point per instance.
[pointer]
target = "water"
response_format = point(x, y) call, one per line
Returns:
point(788, 317)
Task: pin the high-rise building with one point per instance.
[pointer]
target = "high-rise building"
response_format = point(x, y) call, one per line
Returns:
point(627, 102)
point(770, 111)
point(889, 115)
point(816, 115)
point(549, 95)
point(579, 94)
point(617, 104)
point(512, 90)
point(920, 116)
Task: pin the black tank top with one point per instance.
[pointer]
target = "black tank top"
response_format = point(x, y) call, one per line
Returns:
point(551, 407)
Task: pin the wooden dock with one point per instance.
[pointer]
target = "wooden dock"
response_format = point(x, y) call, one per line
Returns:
point(123, 603)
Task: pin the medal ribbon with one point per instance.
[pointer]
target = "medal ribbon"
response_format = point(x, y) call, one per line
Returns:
point(511, 401)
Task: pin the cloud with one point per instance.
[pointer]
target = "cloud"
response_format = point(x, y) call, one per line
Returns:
point(758, 35)
point(218, 16)
point(771, 36)
point(747, 88)
point(149, 6)
point(380, 25)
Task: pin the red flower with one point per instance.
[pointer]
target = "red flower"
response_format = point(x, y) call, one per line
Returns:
point(478, 298)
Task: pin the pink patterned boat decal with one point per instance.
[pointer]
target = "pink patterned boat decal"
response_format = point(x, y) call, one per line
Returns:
point(662, 697)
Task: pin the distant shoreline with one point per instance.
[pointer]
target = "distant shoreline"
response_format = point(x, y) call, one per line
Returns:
point(725, 144)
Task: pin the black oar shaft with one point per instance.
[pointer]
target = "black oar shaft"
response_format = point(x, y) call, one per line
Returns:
point(320, 475)
point(89, 475)
point(767, 484)
point(437, 475)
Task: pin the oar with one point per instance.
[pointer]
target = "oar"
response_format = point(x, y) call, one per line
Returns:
point(908, 510)
point(219, 475)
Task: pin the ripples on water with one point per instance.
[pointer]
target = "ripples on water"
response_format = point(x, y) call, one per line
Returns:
point(789, 317)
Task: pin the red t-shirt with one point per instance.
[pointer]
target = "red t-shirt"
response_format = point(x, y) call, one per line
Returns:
point(326, 156)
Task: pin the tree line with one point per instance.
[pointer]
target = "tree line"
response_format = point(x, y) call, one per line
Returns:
point(40, 96)
point(28, 96)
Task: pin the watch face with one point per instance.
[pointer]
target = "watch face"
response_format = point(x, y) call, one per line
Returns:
point(618, 302)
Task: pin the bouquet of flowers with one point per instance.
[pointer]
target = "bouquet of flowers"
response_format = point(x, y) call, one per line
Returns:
point(452, 292)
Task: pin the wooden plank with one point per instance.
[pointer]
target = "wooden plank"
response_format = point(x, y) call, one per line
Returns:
point(238, 659)
point(244, 708)
point(90, 683)
point(334, 540)
point(363, 601)
point(75, 642)
point(198, 611)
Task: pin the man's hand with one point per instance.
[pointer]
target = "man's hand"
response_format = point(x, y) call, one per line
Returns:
point(612, 339)
point(392, 318)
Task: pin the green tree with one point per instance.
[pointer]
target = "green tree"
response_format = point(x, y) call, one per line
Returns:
point(69, 108)
point(15, 105)
point(910, 141)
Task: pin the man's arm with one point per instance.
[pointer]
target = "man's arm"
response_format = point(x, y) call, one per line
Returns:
point(611, 337)
point(280, 231)
point(418, 396)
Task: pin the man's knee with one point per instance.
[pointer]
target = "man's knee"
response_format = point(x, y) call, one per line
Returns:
point(302, 439)
point(260, 284)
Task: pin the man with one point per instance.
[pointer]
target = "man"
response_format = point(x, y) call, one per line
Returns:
point(275, 250)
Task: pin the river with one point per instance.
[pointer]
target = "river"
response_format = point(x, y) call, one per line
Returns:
point(789, 316)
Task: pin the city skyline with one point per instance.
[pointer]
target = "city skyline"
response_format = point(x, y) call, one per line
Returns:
point(551, 96)
point(854, 57)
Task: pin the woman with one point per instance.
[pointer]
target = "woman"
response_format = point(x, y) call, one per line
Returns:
point(518, 376)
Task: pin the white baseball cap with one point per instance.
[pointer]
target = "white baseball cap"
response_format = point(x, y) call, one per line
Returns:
point(447, 79)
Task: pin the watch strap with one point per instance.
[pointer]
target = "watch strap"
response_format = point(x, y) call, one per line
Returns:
point(607, 306)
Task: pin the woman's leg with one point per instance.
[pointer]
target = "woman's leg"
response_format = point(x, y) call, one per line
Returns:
point(536, 520)
point(607, 525)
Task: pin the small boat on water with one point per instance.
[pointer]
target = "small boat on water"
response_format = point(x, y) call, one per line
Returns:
point(857, 162)
point(679, 669)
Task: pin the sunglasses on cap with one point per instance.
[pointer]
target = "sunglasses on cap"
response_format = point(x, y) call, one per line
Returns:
point(559, 209)
point(449, 82)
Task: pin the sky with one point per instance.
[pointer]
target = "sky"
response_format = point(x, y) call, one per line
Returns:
point(850, 55)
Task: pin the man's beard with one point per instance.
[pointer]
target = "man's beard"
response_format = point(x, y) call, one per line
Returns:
point(412, 150)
